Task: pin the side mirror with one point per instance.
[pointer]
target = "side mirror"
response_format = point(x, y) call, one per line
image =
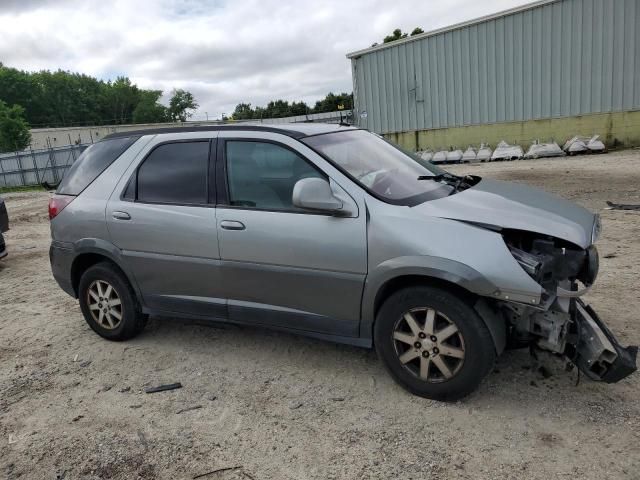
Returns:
point(315, 194)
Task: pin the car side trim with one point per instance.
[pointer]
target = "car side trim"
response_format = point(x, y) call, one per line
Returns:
point(277, 316)
point(348, 340)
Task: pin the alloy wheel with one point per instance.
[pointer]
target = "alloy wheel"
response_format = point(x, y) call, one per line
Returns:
point(429, 344)
point(104, 304)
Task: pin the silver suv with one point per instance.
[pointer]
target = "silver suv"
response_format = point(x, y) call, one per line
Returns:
point(330, 231)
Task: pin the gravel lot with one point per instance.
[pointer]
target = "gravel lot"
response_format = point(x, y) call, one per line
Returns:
point(278, 406)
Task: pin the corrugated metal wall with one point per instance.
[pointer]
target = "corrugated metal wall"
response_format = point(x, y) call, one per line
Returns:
point(566, 58)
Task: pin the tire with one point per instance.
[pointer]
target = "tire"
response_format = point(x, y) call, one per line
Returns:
point(423, 368)
point(122, 301)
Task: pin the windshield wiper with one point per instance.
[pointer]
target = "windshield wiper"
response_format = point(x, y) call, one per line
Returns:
point(439, 177)
point(455, 181)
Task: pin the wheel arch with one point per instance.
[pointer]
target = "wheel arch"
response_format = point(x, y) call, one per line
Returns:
point(89, 252)
point(447, 274)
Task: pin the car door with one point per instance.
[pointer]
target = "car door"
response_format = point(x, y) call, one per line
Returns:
point(284, 266)
point(162, 216)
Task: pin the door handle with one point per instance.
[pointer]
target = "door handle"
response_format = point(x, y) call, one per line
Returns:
point(232, 225)
point(121, 215)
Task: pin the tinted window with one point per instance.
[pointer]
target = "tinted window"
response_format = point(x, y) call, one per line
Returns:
point(93, 161)
point(175, 173)
point(262, 175)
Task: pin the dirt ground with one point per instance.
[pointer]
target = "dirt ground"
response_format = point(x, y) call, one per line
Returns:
point(278, 406)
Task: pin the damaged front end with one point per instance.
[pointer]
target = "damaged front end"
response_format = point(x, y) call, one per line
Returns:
point(562, 323)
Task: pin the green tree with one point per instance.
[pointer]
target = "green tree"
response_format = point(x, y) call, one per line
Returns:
point(181, 101)
point(332, 102)
point(243, 111)
point(299, 108)
point(119, 99)
point(63, 98)
point(19, 88)
point(14, 130)
point(416, 31)
point(278, 109)
point(395, 35)
point(149, 110)
point(282, 108)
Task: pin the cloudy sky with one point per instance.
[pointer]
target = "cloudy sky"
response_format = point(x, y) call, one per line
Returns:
point(223, 51)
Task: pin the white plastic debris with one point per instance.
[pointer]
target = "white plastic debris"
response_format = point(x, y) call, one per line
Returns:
point(575, 145)
point(541, 150)
point(469, 155)
point(504, 151)
point(426, 155)
point(484, 153)
point(439, 157)
point(595, 144)
point(454, 156)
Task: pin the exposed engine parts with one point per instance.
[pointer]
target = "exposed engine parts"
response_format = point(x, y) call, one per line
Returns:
point(564, 324)
point(550, 261)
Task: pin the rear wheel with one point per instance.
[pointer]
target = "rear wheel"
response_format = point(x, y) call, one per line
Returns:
point(109, 304)
point(433, 343)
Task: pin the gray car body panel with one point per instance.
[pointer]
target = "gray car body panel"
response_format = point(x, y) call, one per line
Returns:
point(310, 267)
point(516, 206)
point(161, 238)
point(312, 273)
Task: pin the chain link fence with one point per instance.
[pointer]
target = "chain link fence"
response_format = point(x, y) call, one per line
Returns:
point(34, 167)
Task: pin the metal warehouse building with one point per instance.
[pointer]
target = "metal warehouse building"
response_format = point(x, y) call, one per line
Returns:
point(548, 70)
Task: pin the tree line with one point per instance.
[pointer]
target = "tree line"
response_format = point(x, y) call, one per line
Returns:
point(61, 99)
point(397, 34)
point(282, 108)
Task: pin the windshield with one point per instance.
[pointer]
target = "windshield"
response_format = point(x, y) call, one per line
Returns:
point(381, 168)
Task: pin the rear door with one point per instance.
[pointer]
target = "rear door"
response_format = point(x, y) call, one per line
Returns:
point(284, 266)
point(162, 216)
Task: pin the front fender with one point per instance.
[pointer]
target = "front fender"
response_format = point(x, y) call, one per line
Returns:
point(424, 266)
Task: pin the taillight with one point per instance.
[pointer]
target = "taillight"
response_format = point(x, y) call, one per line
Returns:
point(57, 204)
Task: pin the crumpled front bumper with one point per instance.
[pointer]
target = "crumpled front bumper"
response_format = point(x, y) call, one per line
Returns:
point(595, 350)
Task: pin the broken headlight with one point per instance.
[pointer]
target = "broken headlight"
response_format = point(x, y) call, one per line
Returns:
point(550, 260)
point(529, 262)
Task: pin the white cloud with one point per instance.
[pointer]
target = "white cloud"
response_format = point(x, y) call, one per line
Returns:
point(224, 52)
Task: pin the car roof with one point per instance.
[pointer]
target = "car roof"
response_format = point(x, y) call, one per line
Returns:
point(295, 130)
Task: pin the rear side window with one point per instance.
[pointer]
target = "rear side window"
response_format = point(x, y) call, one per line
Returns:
point(93, 161)
point(175, 173)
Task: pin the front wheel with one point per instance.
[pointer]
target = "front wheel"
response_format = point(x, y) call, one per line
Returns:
point(433, 343)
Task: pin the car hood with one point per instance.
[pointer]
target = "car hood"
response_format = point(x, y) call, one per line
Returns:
point(515, 206)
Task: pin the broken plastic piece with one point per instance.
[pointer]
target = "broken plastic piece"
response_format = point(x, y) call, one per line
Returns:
point(598, 354)
point(454, 156)
point(541, 150)
point(162, 388)
point(439, 157)
point(426, 155)
point(504, 151)
point(595, 144)
point(469, 155)
point(575, 145)
point(622, 206)
point(484, 153)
